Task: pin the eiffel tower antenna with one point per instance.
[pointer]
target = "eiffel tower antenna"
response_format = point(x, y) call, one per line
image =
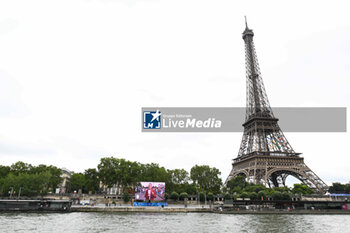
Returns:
point(246, 24)
point(265, 155)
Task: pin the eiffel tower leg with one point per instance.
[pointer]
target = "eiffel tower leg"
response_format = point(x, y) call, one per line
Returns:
point(301, 172)
point(284, 177)
point(274, 179)
point(273, 171)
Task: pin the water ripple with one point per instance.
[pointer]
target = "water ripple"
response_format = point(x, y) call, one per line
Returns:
point(172, 222)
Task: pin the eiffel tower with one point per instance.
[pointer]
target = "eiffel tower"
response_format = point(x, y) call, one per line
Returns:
point(265, 155)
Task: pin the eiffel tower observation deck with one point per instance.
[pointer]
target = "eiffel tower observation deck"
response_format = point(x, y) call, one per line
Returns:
point(265, 155)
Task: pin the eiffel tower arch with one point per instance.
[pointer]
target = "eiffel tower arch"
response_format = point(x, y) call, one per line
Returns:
point(265, 155)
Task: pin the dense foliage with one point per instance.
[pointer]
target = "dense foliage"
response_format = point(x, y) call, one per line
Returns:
point(340, 188)
point(183, 196)
point(238, 187)
point(88, 181)
point(174, 195)
point(27, 180)
point(42, 179)
point(128, 174)
point(206, 178)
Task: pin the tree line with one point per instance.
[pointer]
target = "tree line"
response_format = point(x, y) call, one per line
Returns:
point(127, 174)
point(202, 180)
point(340, 188)
point(238, 187)
point(27, 180)
point(40, 180)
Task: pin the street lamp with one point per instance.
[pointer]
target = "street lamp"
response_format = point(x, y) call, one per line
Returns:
point(19, 192)
point(11, 192)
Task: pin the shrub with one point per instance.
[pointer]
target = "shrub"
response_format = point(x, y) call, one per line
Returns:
point(237, 190)
point(286, 196)
point(277, 196)
point(126, 197)
point(255, 188)
point(210, 197)
point(202, 196)
point(228, 196)
point(174, 196)
point(253, 196)
point(244, 195)
point(183, 196)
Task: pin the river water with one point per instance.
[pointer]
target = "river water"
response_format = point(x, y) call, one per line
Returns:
point(170, 222)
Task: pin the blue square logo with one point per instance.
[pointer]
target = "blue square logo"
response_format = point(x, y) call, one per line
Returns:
point(152, 119)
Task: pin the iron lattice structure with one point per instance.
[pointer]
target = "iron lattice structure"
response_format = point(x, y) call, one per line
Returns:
point(265, 155)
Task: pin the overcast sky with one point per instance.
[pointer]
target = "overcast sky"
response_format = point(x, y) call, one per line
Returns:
point(75, 74)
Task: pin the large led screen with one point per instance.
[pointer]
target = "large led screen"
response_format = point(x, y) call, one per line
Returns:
point(150, 191)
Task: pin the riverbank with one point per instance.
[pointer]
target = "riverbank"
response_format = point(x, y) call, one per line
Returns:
point(311, 212)
point(139, 209)
point(182, 209)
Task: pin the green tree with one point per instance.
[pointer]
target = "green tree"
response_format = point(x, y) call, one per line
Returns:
point(174, 196)
point(179, 176)
point(183, 196)
point(4, 171)
point(201, 196)
point(92, 182)
point(228, 196)
point(178, 180)
point(237, 190)
point(108, 170)
point(281, 189)
point(27, 184)
point(236, 184)
point(301, 189)
point(152, 172)
point(20, 167)
point(206, 178)
point(189, 188)
point(339, 188)
point(347, 188)
point(119, 171)
point(286, 196)
point(36, 173)
point(55, 178)
point(269, 192)
point(244, 195)
point(76, 182)
point(210, 197)
point(255, 188)
point(126, 196)
point(277, 196)
point(128, 173)
point(253, 195)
